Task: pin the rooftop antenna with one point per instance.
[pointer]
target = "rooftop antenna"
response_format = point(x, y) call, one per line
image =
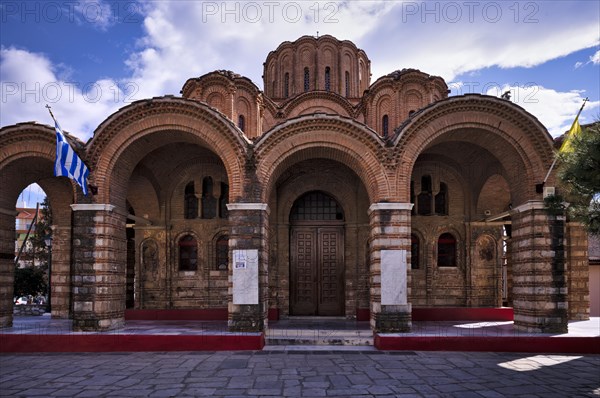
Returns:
point(317, 34)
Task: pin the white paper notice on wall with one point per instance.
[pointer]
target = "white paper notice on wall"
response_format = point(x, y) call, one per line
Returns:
point(393, 277)
point(245, 276)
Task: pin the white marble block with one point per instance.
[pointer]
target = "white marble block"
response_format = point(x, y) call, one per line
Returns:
point(245, 276)
point(393, 277)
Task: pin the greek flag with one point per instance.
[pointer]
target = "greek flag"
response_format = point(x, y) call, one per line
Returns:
point(67, 163)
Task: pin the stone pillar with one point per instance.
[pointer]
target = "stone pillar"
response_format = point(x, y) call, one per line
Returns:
point(61, 271)
point(7, 266)
point(99, 261)
point(248, 270)
point(578, 271)
point(539, 269)
point(390, 256)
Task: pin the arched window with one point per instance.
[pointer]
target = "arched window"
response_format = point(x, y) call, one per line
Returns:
point(306, 79)
point(222, 255)
point(412, 197)
point(188, 253)
point(190, 205)
point(286, 85)
point(316, 206)
point(242, 123)
point(209, 203)
point(414, 251)
point(441, 200)
point(360, 74)
point(223, 200)
point(327, 78)
point(347, 84)
point(425, 197)
point(446, 251)
point(385, 126)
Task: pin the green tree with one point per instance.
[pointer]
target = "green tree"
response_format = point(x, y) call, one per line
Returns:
point(580, 173)
point(42, 230)
point(30, 281)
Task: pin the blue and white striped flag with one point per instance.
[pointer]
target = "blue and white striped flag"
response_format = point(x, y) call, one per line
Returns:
point(67, 163)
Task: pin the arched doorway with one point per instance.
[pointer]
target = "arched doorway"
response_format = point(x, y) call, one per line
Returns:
point(316, 256)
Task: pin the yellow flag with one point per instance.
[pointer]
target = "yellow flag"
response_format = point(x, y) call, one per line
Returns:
point(575, 130)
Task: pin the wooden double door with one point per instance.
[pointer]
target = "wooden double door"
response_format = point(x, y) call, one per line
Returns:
point(317, 270)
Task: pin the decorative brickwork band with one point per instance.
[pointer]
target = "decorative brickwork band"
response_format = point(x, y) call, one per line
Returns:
point(92, 207)
point(390, 259)
point(247, 206)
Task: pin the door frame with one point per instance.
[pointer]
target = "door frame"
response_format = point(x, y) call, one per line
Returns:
point(317, 226)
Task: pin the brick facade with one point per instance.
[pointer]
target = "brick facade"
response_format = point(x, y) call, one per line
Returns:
point(182, 182)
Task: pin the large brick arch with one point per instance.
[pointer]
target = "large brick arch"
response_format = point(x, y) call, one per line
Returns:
point(146, 125)
point(323, 136)
point(516, 138)
point(27, 152)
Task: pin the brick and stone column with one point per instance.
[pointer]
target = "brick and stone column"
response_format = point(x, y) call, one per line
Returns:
point(248, 271)
point(7, 265)
point(99, 261)
point(390, 256)
point(509, 269)
point(539, 269)
point(578, 271)
point(61, 271)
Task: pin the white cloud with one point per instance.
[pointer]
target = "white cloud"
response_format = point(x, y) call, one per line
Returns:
point(94, 12)
point(429, 36)
point(29, 82)
point(555, 110)
point(593, 59)
point(188, 39)
point(31, 195)
point(184, 39)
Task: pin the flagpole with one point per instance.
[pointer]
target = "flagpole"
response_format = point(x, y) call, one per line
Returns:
point(586, 99)
point(51, 114)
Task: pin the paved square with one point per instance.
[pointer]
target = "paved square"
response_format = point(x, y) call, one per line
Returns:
point(282, 373)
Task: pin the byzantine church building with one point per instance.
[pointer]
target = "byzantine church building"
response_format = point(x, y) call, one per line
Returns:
point(325, 194)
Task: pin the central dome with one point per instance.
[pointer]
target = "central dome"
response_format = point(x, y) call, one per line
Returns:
point(316, 64)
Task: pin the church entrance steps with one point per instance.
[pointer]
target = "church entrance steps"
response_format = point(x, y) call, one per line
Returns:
point(319, 331)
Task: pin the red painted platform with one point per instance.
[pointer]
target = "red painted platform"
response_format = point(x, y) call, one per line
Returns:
point(46, 334)
point(541, 344)
point(128, 342)
point(462, 314)
point(215, 314)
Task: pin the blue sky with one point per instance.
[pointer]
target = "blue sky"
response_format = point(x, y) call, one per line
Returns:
point(88, 58)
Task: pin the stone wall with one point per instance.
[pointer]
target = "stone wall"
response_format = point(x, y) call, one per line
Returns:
point(29, 310)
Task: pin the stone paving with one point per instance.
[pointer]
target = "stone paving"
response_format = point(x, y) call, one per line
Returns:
point(300, 373)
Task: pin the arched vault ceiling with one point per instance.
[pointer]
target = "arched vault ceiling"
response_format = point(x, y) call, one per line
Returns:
point(516, 138)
